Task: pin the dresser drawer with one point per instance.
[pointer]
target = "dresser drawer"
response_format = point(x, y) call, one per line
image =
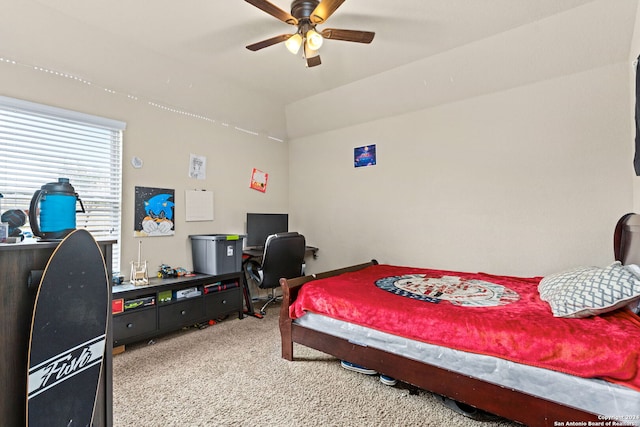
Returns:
point(223, 302)
point(132, 324)
point(180, 313)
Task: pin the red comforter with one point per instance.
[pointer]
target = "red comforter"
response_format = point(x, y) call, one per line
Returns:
point(481, 313)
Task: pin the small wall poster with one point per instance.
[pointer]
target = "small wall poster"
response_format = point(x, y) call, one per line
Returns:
point(259, 180)
point(154, 212)
point(197, 167)
point(364, 156)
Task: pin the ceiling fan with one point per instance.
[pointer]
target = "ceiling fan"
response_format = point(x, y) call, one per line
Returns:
point(306, 14)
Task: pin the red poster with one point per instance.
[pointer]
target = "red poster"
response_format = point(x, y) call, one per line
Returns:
point(259, 180)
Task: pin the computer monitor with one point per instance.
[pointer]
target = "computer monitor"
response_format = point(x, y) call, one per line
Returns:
point(261, 225)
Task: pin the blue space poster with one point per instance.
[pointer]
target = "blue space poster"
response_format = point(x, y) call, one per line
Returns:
point(364, 156)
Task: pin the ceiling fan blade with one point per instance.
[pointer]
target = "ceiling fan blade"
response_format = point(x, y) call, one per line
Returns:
point(324, 10)
point(274, 11)
point(269, 42)
point(348, 35)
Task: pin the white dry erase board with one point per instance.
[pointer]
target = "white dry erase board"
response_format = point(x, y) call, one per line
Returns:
point(198, 205)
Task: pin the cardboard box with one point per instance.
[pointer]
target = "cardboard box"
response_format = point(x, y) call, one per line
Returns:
point(165, 296)
point(117, 305)
point(132, 304)
point(187, 293)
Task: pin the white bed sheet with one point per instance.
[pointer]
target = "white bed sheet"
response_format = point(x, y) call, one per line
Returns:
point(593, 395)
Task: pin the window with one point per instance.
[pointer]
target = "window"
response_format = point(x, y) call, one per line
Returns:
point(39, 144)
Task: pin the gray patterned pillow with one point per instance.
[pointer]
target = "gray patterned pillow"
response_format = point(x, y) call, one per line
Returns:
point(589, 291)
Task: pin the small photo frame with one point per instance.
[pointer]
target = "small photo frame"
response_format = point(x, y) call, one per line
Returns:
point(364, 156)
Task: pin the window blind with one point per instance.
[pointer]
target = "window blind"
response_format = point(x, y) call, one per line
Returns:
point(39, 144)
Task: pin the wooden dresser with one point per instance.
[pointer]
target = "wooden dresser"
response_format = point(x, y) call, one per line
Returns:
point(16, 306)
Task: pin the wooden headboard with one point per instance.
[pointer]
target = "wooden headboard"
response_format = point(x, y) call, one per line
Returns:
point(626, 239)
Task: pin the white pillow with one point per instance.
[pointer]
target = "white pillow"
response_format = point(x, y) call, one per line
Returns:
point(589, 291)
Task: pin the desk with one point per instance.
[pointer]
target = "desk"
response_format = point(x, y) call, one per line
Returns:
point(249, 253)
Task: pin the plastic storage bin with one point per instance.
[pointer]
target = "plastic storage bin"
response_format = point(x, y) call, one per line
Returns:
point(216, 253)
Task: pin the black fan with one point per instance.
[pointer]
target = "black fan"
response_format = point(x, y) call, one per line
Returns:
point(306, 14)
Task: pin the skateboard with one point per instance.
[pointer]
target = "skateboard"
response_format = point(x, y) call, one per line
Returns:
point(68, 335)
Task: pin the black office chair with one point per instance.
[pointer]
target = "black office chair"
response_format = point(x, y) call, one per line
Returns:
point(283, 257)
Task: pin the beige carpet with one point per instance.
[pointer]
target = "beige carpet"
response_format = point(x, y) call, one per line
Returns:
point(231, 374)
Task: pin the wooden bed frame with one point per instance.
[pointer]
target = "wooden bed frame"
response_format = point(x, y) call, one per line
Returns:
point(505, 402)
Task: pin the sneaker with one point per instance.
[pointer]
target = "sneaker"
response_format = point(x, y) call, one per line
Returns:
point(463, 409)
point(357, 368)
point(388, 380)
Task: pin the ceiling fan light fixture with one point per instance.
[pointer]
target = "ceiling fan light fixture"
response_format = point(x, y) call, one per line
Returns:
point(305, 15)
point(314, 39)
point(293, 43)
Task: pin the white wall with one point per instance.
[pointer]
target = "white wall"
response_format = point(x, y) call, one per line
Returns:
point(164, 141)
point(590, 36)
point(509, 159)
point(524, 181)
point(634, 52)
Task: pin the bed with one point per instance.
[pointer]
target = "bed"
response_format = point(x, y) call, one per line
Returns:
point(487, 341)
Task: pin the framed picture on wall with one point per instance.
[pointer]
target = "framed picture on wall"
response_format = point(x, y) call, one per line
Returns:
point(154, 212)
